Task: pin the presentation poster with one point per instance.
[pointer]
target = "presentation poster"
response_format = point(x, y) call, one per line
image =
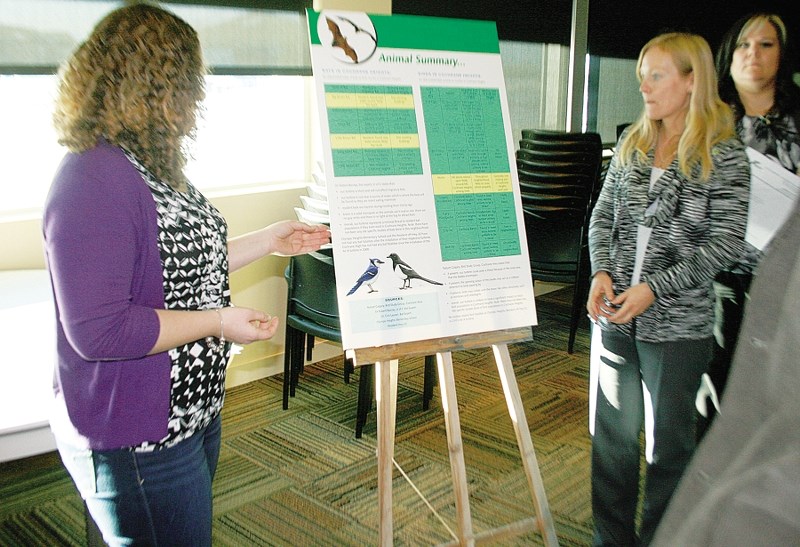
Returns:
point(425, 212)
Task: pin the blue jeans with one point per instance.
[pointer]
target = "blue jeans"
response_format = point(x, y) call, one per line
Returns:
point(149, 498)
point(655, 385)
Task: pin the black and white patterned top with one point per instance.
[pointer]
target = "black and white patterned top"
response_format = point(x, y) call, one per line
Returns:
point(773, 135)
point(698, 228)
point(193, 242)
point(776, 136)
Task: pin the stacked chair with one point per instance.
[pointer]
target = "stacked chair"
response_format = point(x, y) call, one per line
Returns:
point(312, 311)
point(559, 177)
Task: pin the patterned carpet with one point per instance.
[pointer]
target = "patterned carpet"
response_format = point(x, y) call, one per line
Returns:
point(300, 477)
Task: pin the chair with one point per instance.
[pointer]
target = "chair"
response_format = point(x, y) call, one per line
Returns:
point(315, 211)
point(312, 312)
point(315, 205)
point(559, 180)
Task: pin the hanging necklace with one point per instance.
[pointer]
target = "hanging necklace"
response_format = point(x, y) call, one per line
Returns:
point(665, 153)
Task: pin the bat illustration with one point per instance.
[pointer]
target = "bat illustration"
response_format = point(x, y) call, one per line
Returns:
point(340, 41)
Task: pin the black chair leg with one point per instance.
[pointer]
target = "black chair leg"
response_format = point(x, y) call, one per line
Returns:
point(309, 346)
point(574, 318)
point(348, 369)
point(429, 380)
point(578, 300)
point(298, 348)
point(287, 365)
point(365, 380)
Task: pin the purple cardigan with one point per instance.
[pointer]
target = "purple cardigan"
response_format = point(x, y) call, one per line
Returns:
point(101, 246)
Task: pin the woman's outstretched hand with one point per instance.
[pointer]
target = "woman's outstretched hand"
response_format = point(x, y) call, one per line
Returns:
point(292, 237)
point(284, 238)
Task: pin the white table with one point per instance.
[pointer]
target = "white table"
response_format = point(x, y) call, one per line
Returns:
point(27, 330)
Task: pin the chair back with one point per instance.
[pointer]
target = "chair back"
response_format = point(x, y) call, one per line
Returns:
point(312, 288)
point(559, 181)
point(558, 176)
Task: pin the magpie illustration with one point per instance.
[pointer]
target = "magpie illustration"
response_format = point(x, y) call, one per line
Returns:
point(406, 272)
point(369, 276)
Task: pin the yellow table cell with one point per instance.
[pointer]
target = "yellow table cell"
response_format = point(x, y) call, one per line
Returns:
point(400, 101)
point(341, 100)
point(346, 141)
point(404, 140)
point(482, 183)
point(442, 184)
point(375, 141)
point(393, 101)
point(370, 100)
point(501, 182)
point(462, 183)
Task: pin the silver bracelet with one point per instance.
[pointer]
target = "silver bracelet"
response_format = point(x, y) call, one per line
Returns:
point(217, 345)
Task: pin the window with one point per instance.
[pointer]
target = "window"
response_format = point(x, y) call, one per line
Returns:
point(256, 115)
point(29, 153)
point(252, 131)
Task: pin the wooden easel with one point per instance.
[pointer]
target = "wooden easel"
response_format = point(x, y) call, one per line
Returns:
point(386, 364)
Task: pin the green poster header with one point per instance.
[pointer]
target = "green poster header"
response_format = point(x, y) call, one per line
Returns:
point(427, 33)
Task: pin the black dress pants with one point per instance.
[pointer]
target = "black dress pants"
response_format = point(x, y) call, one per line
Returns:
point(731, 292)
point(650, 384)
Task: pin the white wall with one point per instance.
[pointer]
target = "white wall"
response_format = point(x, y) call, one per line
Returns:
point(618, 97)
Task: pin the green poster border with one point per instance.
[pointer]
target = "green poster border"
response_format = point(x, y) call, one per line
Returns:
point(426, 33)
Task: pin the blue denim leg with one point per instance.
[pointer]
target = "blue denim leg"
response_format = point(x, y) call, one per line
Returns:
point(150, 498)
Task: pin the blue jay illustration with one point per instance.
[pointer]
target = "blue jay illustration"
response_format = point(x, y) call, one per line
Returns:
point(406, 272)
point(369, 276)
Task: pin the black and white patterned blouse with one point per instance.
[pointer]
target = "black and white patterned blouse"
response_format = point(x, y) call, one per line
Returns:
point(776, 137)
point(193, 242)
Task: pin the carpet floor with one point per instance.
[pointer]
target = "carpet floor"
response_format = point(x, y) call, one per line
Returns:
point(299, 477)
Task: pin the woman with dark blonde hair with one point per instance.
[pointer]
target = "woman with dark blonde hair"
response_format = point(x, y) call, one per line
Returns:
point(755, 70)
point(671, 213)
point(755, 66)
point(139, 261)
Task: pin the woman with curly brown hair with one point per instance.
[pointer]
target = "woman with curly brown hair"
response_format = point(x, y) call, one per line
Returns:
point(139, 261)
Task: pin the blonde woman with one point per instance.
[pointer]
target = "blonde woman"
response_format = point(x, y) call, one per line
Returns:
point(139, 262)
point(671, 214)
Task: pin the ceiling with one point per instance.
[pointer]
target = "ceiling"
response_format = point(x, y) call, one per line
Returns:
point(617, 28)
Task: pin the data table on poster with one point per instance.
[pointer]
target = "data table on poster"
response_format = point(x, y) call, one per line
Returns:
point(475, 206)
point(373, 130)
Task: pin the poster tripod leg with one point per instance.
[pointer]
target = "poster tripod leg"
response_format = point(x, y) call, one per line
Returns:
point(444, 362)
point(516, 411)
point(386, 395)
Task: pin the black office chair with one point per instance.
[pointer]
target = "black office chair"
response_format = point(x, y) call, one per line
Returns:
point(559, 176)
point(312, 312)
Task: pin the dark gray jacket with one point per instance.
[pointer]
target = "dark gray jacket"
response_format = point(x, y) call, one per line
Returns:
point(743, 485)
